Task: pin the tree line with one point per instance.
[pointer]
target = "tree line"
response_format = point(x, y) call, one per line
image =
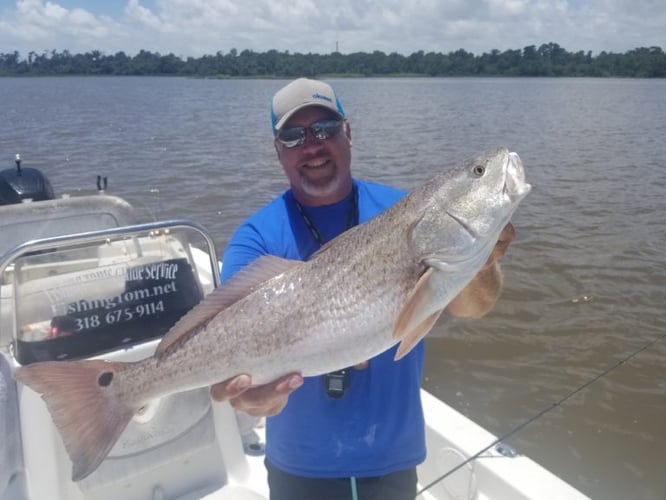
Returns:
point(549, 59)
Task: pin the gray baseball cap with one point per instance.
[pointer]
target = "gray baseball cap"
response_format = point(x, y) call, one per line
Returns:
point(299, 94)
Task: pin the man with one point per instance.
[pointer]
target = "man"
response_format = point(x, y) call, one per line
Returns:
point(357, 433)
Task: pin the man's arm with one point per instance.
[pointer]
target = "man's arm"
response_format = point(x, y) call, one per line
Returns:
point(480, 295)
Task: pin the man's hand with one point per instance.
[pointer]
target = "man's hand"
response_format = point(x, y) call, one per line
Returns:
point(507, 235)
point(480, 295)
point(260, 401)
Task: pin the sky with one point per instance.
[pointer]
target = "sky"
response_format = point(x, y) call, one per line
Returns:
point(198, 27)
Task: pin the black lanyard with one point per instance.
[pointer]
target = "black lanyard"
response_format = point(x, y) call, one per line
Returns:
point(352, 217)
point(335, 383)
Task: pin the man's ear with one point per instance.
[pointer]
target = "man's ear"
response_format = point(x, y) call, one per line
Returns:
point(346, 126)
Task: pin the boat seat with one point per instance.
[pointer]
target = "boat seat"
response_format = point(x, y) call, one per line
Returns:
point(27, 221)
point(112, 294)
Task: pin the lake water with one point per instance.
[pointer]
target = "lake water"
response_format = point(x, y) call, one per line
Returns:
point(585, 281)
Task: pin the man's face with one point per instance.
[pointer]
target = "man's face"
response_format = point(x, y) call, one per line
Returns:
point(318, 170)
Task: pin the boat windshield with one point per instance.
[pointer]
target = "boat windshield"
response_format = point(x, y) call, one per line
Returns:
point(76, 299)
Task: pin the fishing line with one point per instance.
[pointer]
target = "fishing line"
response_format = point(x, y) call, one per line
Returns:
point(547, 409)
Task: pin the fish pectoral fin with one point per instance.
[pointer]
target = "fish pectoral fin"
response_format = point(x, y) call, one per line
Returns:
point(410, 340)
point(415, 319)
point(243, 283)
point(418, 301)
point(83, 406)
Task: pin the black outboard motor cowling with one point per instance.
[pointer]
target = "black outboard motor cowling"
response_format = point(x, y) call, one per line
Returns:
point(8, 194)
point(24, 183)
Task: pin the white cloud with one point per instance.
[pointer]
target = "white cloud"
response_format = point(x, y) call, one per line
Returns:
point(197, 27)
point(36, 25)
point(143, 16)
point(507, 7)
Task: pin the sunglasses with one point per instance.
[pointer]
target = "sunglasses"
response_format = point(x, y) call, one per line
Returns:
point(322, 130)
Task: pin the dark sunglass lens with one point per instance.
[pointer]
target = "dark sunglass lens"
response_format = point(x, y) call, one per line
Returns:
point(291, 137)
point(325, 129)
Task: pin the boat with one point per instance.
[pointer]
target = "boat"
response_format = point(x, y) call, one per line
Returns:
point(82, 277)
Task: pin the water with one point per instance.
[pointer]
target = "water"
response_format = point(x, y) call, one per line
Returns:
point(585, 281)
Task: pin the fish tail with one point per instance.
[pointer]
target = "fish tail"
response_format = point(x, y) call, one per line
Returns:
point(85, 406)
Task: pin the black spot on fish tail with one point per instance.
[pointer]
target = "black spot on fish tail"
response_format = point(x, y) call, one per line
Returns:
point(105, 379)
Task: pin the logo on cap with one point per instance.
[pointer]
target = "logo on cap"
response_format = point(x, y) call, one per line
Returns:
point(320, 96)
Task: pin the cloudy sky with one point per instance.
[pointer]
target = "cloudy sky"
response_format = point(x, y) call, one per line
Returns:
point(198, 27)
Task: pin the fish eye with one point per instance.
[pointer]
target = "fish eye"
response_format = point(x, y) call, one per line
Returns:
point(479, 170)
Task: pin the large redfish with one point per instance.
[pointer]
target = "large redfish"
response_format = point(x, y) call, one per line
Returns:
point(380, 283)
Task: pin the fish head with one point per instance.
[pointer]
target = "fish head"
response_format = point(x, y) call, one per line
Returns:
point(463, 210)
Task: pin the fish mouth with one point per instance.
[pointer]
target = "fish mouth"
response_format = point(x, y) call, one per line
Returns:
point(515, 186)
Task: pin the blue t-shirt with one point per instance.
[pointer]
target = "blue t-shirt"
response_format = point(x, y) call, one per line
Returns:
point(377, 426)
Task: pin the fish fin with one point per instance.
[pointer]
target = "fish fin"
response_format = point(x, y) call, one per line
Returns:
point(410, 340)
point(259, 271)
point(83, 405)
point(240, 285)
point(417, 301)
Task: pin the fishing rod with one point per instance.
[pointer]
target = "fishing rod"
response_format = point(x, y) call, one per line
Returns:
point(546, 410)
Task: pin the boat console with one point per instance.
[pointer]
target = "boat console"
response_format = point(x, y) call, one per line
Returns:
point(79, 279)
